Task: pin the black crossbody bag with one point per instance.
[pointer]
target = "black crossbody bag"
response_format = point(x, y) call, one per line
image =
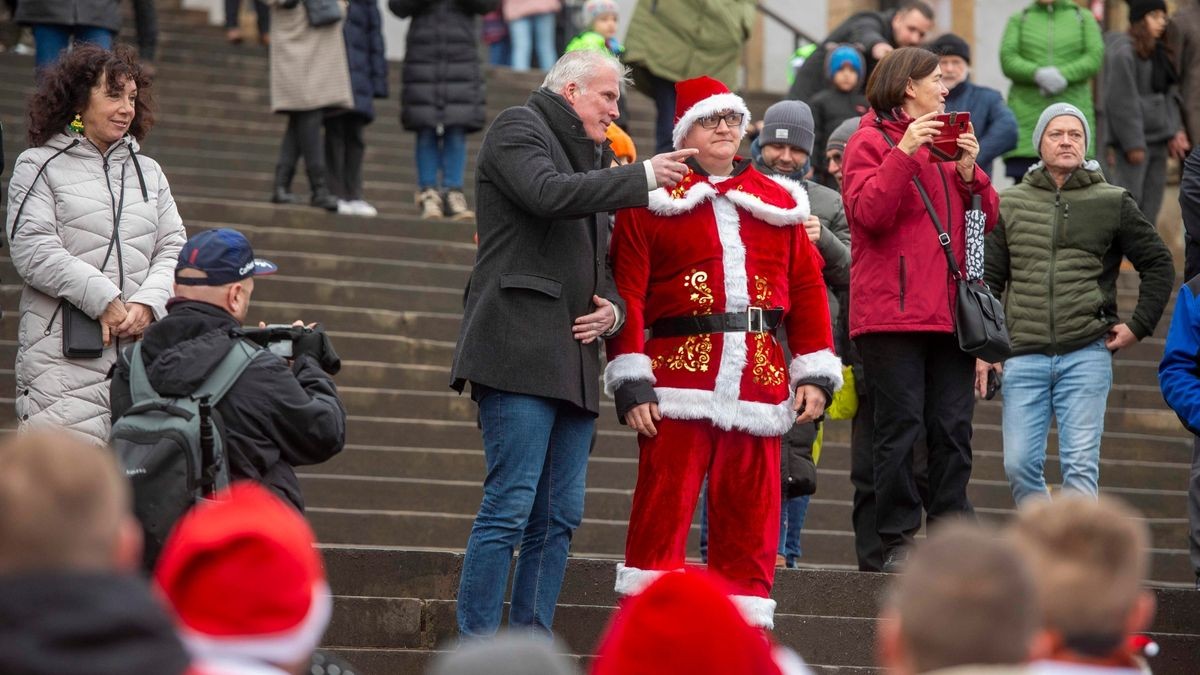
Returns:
point(82, 336)
point(978, 315)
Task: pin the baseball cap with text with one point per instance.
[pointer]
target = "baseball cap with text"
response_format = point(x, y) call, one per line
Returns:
point(223, 255)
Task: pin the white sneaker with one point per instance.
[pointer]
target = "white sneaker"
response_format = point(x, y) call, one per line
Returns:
point(345, 208)
point(362, 208)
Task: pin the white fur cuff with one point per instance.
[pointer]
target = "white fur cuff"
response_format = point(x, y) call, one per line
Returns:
point(823, 364)
point(758, 612)
point(632, 580)
point(627, 368)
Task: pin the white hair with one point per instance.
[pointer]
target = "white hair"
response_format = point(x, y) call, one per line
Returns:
point(581, 68)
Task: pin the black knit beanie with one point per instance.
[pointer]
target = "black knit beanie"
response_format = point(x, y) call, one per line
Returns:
point(950, 44)
point(1140, 8)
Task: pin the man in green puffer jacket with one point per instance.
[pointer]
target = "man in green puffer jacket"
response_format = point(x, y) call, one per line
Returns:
point(1051, 50)
point(1058, 248)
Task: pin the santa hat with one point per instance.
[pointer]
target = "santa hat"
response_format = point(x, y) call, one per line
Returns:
point(685, 624)
point(700, 97)
point(244, 579)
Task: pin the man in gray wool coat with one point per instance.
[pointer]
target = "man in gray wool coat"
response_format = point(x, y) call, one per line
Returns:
point(540, 296)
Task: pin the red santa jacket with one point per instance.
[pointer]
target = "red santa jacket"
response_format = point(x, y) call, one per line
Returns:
point(710, 247)
point(899, 280)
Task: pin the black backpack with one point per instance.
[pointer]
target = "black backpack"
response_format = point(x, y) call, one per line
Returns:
point(170, 449)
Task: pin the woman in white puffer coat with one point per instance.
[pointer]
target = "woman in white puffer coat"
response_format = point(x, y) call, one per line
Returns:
point(92, 223)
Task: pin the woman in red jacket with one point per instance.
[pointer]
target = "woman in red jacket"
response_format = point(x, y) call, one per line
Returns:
point(901, 313)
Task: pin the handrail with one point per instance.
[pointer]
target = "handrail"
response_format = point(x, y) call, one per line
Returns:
point(797, 34)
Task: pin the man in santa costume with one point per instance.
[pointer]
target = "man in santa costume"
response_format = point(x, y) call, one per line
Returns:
point(712, 267)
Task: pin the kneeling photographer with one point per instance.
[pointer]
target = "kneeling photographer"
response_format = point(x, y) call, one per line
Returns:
point(280, 412)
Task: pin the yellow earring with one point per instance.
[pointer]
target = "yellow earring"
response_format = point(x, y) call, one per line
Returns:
point(76, 124)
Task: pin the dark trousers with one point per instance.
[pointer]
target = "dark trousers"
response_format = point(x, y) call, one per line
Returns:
point(1194, 508)
point(303, 139)
point(664, 124)
point(918, 381)
point(344, 151)
point(145, 20)
point(867, 546)
point(261, 12)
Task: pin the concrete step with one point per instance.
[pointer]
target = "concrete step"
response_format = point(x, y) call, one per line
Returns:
point(605, 538)
point(447, 405)
point(840, 633)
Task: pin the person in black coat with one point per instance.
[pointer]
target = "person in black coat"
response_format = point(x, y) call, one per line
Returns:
point(443, 96)
point(344, 148)
point(278, 414)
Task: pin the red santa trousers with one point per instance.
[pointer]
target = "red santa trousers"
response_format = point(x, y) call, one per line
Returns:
point(743, 504)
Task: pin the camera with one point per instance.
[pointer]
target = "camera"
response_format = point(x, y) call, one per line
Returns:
point(291, 341)
point(278, 338)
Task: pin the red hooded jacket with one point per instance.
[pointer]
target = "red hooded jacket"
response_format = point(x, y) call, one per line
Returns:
point(899, 280)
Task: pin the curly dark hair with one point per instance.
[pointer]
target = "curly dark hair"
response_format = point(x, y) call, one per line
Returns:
point(66, 88)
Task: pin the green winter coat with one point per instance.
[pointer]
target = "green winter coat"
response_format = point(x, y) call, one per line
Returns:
point(1063, 35)
point(1058, 253)
point(681, 39)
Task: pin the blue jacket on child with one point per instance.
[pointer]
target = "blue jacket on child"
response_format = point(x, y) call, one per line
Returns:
point(1179, 371)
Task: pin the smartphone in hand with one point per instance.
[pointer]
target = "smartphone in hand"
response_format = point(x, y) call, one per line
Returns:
point(945, 145)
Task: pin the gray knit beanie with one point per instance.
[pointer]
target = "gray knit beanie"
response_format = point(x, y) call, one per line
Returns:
point(1058, 110)
point(841, 135)
point(789, 122)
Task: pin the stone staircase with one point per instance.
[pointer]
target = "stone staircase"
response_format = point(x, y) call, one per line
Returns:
point(393, 511)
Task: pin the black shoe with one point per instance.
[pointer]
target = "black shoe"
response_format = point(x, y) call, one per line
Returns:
point(321, 198)
point(282, 196)
point(893, 562)
point(282, 193)
point(1198, 582)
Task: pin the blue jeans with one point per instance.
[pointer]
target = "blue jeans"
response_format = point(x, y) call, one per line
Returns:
point(791, 521)
point(536, 450)
point(529, 34)
point(50, 40)
point(445, 153)
point(1074, 387)
point(500, 53)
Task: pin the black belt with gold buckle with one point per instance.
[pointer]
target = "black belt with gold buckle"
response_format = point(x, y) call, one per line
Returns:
point(753, 320)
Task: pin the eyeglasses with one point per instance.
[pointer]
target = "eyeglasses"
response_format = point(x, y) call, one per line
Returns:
point(733, 119)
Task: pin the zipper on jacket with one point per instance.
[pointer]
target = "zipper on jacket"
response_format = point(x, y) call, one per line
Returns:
point(1053, 265)
point(903, 274)
point(57, 309)
point(1050, 34)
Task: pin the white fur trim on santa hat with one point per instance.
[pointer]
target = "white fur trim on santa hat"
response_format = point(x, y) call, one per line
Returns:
point(789, 662)
point(663, 204)
point(775, 215)
point(823, 363)
point(706, 107)
point(758, 612)
point(223, 666)
point(627, 368)
point(632, 580)
point(285, 647)
point(758, 419)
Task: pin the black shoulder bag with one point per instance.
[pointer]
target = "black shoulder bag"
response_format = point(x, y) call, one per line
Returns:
point(978, 315)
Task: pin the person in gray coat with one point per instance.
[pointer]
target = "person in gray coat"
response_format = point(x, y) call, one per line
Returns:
point(540, 296)
point(92, 226)
point(1142, 105)
point(55, 23)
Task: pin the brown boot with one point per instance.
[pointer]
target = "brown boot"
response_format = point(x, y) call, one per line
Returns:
point(456, 203)
point(429, 201)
